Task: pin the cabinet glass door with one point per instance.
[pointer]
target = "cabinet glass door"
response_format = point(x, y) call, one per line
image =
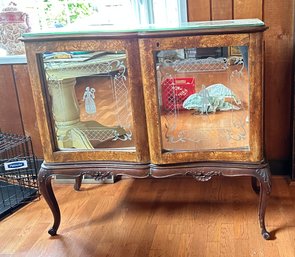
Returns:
point(203, 96)
point(89, 99)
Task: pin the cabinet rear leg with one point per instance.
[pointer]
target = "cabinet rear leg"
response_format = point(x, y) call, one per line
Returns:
point(78, 182)
point(44, 179)
point(255, 186)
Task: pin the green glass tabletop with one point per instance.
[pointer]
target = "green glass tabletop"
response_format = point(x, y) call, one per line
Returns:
point(105, 29)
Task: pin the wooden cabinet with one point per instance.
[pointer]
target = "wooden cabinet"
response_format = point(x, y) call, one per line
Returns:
point(146, 103)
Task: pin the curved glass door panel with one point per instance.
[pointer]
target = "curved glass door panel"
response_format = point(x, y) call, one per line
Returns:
point(203, 96)
point(89, 99)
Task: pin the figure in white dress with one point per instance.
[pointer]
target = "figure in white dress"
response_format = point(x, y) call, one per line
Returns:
point(88, 98)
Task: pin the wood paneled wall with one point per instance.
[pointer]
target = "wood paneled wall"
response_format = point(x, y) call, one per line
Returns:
point(203, 10)
point(10, 117)
point(279, 17)
point(17, 110)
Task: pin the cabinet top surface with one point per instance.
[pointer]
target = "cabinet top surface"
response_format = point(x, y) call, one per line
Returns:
point(100, 30)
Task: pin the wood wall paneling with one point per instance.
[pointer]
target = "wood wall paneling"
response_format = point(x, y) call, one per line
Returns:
point(199, 10)
point(222, 10)
point(203, 10)
point(10, 116)
point(279, 16)
point(245, 9)
point(26, 103)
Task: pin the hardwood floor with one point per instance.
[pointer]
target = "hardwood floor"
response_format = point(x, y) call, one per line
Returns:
point(153, 218)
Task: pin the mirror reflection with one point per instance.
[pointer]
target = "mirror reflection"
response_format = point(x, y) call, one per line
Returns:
point(203, 96)
point(89, 97)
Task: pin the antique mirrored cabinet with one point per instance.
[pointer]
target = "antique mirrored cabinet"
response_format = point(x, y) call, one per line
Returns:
point(151, 102)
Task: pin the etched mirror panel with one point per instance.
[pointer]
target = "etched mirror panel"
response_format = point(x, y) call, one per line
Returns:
point(203, 96)
point(89, 99)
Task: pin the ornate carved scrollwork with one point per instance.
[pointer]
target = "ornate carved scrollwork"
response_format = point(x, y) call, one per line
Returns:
point(265, 177)
point(98, 174)
point(203, 175)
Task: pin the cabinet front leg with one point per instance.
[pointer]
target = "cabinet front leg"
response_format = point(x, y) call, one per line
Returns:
point(44, 179)
point(265, 189)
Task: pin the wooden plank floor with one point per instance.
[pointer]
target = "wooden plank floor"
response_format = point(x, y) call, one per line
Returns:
point(153, 218)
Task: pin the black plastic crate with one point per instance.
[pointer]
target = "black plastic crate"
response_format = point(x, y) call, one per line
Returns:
point(18, 173)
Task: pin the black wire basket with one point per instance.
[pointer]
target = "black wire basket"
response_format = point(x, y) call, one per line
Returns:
point(18, 173)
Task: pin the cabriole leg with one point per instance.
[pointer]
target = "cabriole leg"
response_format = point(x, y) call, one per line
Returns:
point(44, 179)
point(265, 189)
